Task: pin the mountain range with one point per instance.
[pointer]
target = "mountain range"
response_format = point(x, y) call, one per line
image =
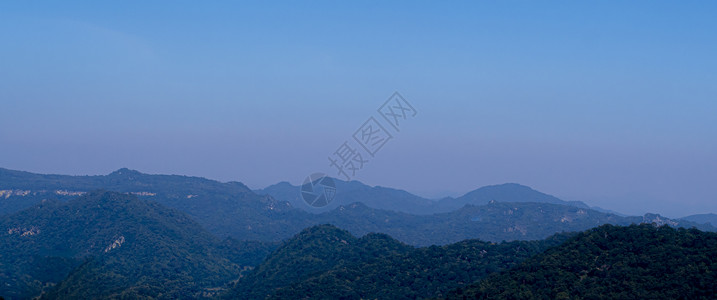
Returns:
point(401, 201)
point(493, 213)
point(137, 236)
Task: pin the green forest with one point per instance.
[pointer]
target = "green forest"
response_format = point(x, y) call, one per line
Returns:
point(612, 262)
point(125, 245)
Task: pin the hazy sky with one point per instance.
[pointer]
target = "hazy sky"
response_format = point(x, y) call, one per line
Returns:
point(608, 102)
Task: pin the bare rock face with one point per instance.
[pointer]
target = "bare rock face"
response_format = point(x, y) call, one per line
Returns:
point(116, 244)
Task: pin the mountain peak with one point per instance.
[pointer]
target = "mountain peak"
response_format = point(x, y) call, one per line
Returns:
point(510, 192)
point(125, 172)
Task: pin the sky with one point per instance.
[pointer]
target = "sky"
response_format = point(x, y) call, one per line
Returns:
point(608, 102)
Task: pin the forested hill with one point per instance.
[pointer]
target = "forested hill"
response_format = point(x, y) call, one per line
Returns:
point(612, 262)
point(107, 244)
point(325, 262)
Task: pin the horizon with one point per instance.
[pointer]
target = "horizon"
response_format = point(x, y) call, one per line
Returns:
point(439, 198)
point(608, 103)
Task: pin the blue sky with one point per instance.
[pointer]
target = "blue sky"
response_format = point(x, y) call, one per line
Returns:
point(608, 102)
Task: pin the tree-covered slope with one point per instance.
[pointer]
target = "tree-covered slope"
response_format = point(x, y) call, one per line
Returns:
point(612, 262)
point(324, 262)
point(107, 244)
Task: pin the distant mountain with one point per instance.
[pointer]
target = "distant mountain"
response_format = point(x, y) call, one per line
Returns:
point(225, 209)
point(106, 244)
point(402, 201)
point(495, 221)
point(702, 219)
point(509, 192)
point(609, 262)
point(324, 262)
point(232, 210)
point(181, 190)
point(124, 180)
point(351, 192)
